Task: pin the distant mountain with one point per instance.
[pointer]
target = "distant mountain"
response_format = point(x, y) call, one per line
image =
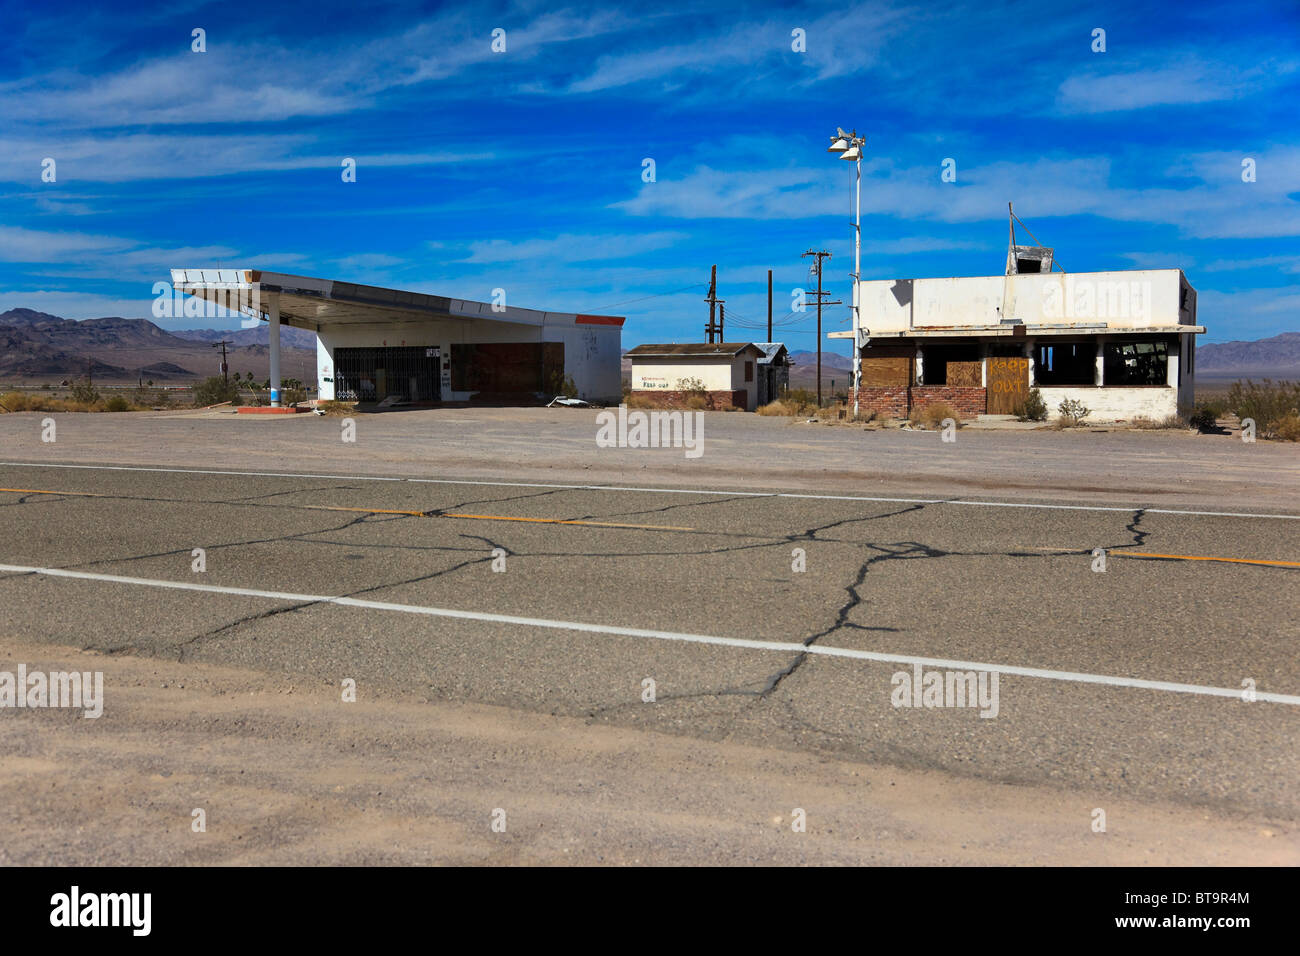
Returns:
point(37, 347)
point(1275, 357)
point(261, 335)
point(829, 360)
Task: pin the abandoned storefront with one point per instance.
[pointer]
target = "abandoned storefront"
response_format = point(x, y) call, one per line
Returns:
point(1122, 343)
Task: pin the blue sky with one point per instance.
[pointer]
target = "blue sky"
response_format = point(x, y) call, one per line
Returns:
point(523, 169)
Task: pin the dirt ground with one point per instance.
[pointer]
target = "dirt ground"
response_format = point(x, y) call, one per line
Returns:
point(291, 774)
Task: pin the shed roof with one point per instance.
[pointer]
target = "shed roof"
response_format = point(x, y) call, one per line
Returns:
point(773, 351)
point(695, 349)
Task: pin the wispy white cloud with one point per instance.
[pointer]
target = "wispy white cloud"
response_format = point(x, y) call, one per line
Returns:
point(133, 157)
point(570, 247)
point(1214, 203)
point(1186, 81)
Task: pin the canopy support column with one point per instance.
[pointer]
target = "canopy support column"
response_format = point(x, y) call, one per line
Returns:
point(273, 312)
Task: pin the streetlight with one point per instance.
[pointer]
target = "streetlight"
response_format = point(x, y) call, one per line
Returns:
point(849, 146)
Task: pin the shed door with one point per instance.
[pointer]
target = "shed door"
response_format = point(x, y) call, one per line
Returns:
point(1008, 378)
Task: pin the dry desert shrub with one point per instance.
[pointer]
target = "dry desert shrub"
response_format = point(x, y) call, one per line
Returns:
point(1144, 423)
point(932, 415)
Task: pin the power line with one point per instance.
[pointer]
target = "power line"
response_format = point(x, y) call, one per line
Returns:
point(688, 288)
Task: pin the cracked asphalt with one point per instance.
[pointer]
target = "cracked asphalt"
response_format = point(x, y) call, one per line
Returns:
point(1005, 586)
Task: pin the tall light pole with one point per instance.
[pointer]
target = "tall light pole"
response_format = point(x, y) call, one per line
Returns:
point(849, 146)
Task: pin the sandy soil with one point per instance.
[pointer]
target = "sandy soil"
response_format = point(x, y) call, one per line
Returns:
point(290, 774)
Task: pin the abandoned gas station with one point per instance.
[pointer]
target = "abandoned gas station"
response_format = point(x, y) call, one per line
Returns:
point(389, 346)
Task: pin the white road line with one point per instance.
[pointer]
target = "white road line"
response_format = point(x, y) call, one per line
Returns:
point(665, 491)
point(785, 647)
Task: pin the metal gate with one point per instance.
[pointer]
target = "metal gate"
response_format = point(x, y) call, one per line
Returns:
point(373, 374)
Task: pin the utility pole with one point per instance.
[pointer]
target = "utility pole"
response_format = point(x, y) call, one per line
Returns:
point(769, 305)
point(225, 369)
point(713, 301)
point(817, 259)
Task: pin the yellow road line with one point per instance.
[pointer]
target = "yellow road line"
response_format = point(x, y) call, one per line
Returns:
point(38, 491)
point(1199, 557)
point(594, 524)
point(369, 511)
point(421, 514)
point(394, 511)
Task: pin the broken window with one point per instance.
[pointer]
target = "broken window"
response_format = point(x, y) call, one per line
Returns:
point(1137, 363)
point(956, 364)
point(1065, 363)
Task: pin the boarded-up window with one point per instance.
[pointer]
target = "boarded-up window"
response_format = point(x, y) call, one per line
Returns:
point(505, 367)
point(887, 371)
point(749, 371)
point(966, 374)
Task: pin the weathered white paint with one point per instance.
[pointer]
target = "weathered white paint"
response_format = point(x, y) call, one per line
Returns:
point(718, 373)
point(1142, 298)
point(1110, 404)
point(592, 353)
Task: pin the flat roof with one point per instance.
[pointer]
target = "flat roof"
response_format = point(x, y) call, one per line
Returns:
point(694, 349)
point(1020, 331)
point(308, 302)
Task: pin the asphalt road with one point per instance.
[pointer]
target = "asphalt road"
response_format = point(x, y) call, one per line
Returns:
point(697, 591)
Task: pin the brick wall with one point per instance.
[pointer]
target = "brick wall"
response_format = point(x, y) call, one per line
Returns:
point(967, 401)
point(887, 401)
point(897, 402)
point(718, 400)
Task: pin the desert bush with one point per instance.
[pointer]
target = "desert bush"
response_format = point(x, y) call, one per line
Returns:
point(1287, 428)
point(691, 386)
point(795, 397)
point(292, 396)
point(1169, 421)
point(696, 401)
point(790, 406)
point(557, 383)
point(1032, 409)
point(14, 401)
point(333, 409)
point(1268, 403)
point(932, 415)
point(635, 400)
point(1217, 406)
point(84, 392)
point(1072, 412)
point(117, 403)
point(214, 391)
point(1204, 418)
